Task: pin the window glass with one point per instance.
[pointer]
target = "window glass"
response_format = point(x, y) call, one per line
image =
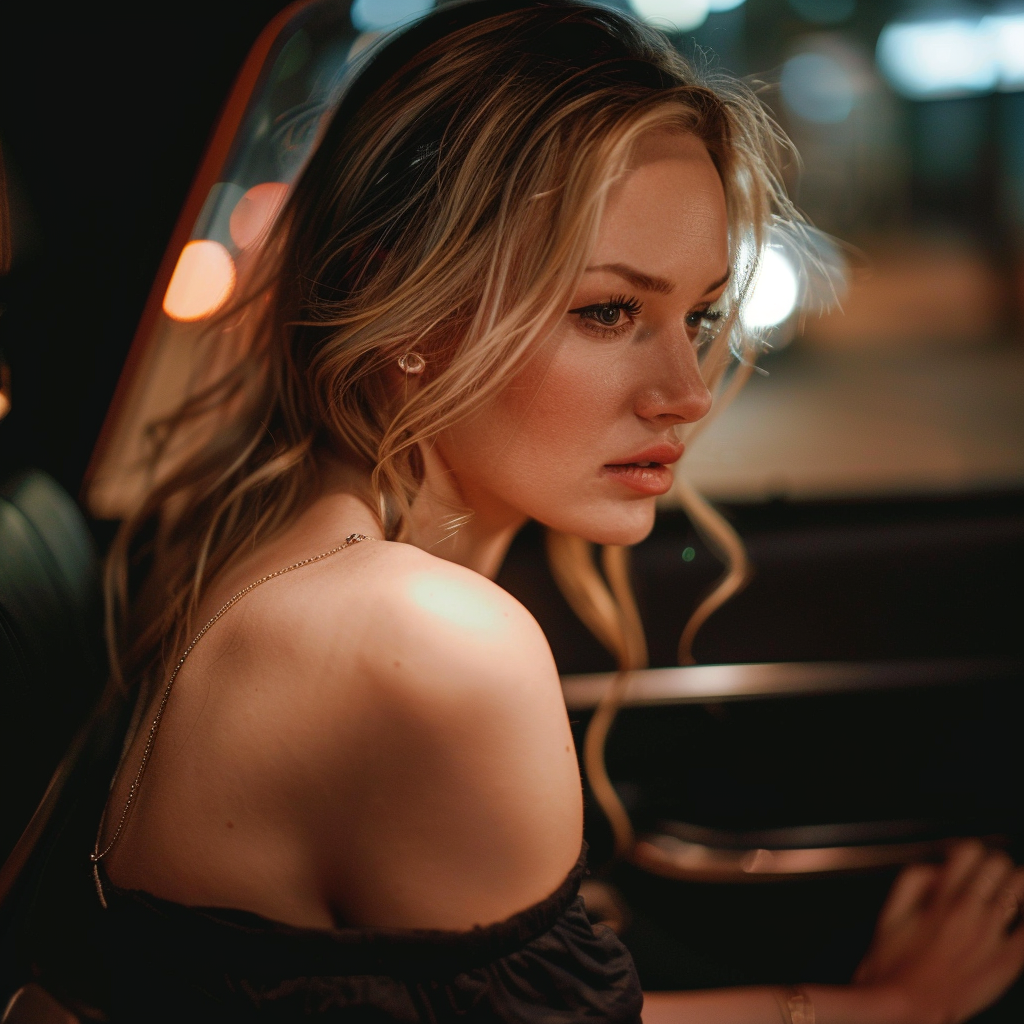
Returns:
point(911, 131)
point(290, 83)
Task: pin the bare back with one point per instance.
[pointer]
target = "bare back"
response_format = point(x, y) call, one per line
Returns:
point(376, 739)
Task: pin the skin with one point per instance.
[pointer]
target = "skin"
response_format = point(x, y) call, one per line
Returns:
point(380, 739)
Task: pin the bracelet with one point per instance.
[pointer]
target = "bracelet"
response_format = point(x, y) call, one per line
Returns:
point(795, 1005)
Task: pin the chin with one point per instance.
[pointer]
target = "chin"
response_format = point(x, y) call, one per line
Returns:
point(620, 523)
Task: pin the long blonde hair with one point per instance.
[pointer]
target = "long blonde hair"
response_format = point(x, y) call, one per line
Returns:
point(450, 212)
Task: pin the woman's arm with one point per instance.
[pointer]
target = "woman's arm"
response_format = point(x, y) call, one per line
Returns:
point(949, 942)
point(832, 1004)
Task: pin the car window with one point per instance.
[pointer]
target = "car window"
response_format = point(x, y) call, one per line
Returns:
point(910, 129)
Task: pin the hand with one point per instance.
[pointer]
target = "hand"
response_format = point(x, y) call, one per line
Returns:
point(949, 940)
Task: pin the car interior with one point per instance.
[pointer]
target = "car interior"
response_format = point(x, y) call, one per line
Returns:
point(855, 707)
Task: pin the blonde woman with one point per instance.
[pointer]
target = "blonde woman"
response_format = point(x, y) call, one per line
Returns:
point(504, 281)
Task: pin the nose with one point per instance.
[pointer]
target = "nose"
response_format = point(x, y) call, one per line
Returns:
point(674, 391)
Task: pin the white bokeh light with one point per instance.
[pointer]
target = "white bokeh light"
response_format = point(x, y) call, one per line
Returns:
point(1006, 34)
point(774, 294)
point(938, 59)
point(817, 87)
point(682, 15)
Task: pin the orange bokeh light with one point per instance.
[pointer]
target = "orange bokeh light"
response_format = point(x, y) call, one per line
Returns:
point(255, 211)
point(203, 280)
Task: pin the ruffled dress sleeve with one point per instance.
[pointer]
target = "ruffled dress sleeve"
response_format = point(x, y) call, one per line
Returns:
point(545, 964)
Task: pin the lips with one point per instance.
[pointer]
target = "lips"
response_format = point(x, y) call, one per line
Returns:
point(647, 471)
point(663, 454)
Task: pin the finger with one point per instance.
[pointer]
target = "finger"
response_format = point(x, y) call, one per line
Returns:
point(963, 861)
point(908, 893)
point(1009, 900)
point(1007, 909)
point(990, 878)
point(1015, 883)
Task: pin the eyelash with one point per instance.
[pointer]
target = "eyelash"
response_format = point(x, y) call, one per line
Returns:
point(632, 306)
point(701, 318)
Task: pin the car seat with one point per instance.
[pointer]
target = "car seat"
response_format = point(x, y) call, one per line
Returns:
point(51, 661)
point(57, 737)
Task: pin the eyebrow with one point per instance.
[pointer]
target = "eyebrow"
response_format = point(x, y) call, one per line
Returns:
point(646, 282)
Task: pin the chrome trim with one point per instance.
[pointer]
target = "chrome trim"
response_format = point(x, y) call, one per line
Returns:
point(32, 1004)
point(671, 857)
point(701, 684)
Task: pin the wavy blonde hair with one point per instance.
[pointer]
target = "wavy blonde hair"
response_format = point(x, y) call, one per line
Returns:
point(452, 213)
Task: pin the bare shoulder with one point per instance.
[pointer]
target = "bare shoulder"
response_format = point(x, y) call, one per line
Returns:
point(458, 786)
point(428, 615)
point(407, 615)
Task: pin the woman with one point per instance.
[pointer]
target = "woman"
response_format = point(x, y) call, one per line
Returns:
point(485, 303)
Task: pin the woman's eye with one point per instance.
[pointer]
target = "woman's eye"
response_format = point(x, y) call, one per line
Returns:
point(607, 315)
point(703, 318)
point(612, 317)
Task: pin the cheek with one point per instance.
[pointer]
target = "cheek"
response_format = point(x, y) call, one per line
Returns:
point(559, 410)
point(538, 448)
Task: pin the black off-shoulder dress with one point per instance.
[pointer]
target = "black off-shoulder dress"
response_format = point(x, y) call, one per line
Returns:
point(184, 964)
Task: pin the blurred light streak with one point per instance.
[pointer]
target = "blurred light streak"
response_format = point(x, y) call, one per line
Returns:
point(817, 88)
point(360, 43)
point(203, 280)
point(254, 213)
point(774, 294)
point(674, 15)
point(1006, 32)
point(376, 15)
point(951, 57)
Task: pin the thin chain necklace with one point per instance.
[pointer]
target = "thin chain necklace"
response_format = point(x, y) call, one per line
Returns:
point(97, 854)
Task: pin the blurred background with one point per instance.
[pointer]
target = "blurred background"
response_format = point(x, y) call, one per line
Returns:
point(910, 122)
point(909, 118)
point(874, 465)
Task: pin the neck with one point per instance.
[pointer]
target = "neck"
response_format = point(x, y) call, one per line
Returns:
point(445, 523)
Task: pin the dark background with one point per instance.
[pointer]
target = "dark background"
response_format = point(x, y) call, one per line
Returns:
point(104, 117)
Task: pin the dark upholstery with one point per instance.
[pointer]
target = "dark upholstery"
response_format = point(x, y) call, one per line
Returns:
point(58, 742)
point(51, 662)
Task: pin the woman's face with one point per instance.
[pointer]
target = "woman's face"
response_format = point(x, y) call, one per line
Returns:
point(583, 438)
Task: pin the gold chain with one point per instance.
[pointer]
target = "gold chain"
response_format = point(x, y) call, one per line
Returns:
point(97, 854)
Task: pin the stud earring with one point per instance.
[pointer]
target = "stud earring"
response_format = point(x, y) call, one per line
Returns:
point(412, 363)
